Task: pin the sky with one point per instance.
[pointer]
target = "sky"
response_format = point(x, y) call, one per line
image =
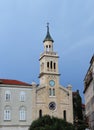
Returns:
point(23, 29)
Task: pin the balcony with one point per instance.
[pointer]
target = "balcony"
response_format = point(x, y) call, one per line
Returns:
point(49, 53)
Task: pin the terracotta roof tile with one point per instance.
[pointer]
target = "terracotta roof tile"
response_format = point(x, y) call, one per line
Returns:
point(13, 82)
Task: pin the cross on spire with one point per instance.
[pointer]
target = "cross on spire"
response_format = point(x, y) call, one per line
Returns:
point(47, 27)
point(48, 37)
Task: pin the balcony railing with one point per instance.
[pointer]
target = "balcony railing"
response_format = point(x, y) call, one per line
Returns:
point(48, 53)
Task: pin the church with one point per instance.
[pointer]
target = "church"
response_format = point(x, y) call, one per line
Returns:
point(21, 103)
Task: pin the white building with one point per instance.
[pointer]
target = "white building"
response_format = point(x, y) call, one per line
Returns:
point(15, 105)
point(21, 103)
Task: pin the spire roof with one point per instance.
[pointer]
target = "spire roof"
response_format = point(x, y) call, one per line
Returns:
point(48, 36)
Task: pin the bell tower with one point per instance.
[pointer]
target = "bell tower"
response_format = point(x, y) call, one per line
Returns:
point(48, 62)
point(52, 98)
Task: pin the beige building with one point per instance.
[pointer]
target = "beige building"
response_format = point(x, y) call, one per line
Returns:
point(89, 94)
point(21, 103)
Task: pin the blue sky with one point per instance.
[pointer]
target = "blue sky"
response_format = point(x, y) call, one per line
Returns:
point(23, 29)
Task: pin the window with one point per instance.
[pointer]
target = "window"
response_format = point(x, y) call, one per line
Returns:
point(7, 113)
point(7, 95)
point(22, 114)
point(51, 92)
point(22, 96)
point(54, 65)
point(51, 64)
point(47, 49)
point(47, 64)
point(64, 115)
point(40, 113)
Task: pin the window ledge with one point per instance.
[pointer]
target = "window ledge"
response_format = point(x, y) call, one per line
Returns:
point(52, 96)
point(7, 120)
point(22, 120)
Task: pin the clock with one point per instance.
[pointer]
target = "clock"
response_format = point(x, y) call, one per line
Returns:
point(51, 83)
point(52, 105)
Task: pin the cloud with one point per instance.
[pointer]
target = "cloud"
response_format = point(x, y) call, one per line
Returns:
point(83, 43)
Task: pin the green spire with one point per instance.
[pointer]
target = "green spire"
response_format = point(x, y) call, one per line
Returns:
point(48, 37)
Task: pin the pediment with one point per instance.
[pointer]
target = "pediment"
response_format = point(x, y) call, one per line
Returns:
point(64, 89)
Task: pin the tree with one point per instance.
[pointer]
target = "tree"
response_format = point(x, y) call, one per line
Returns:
point(50, 123)
point(79, 121)
point(77, 106)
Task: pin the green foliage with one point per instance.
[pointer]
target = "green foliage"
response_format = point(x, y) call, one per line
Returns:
point(50, 123)
point(77, 106)
point(81, 125)
point(79, 122)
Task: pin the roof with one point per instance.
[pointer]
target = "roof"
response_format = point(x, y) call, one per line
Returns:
point(92, 59)
point(75, 93)
point(13, 82)
point(83, 106)
point(48, 36)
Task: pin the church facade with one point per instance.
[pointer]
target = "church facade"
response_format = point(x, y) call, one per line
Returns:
point(21, 103)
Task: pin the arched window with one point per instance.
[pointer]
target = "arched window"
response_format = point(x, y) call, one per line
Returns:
point(7, 95)
point(22, 113)
point(47, 64)
point(7, 113)
point(53, 92)
point(22, 96)
point(40, 113)
point(51, 64)
point(54, 65)
point(47, 49)
point(64, 115)
point(50, 93)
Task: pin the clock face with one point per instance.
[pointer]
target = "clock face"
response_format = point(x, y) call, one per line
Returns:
point(52, 105)
point(51, 83)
